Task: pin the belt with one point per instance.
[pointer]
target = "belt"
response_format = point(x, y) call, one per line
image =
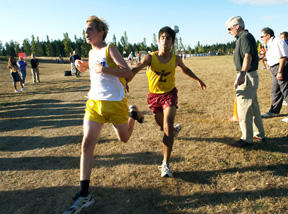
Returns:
point(246, 71)
point(274, 65)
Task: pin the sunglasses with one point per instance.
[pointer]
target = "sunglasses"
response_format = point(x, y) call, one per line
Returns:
point(262, 36)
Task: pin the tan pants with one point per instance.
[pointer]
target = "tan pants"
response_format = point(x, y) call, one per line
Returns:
point(250, 120)
point(35, 74)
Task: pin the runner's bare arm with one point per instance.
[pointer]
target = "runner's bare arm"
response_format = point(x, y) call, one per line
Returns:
point(146, 61)
point(188, 72)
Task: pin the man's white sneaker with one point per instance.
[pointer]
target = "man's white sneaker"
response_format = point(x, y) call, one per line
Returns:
point(165, 170)
point(285, 120)
point(177, 129)
point(23, 89)
point(79, 203)
point(17, 91)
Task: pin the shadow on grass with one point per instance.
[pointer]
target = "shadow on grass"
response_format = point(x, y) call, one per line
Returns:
point(64, 162)
point(205, 177)
point(23, 143)
point(111, 200)
point(46, 113)
point(51, 89)
point(277, 144)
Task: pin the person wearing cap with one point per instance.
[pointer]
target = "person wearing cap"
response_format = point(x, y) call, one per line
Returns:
point(246, 83)
point(277, 53)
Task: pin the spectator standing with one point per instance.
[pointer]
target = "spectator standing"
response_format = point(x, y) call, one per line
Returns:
point(276, 54)
point(35, 69)
point(246, 83)
point(13, 67)
point(72, 60)
point(22, 66)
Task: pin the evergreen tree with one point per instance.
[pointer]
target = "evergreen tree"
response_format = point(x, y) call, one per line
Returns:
point(17, 47)
point(1, 49)
point(39, 48)
point(114, 41)
point(67, 45)
point(10, 49)
point(155, 41)
point(143, 45)
point(124, 42)
point(85, 47)
point(26, 47)
point(181, 46)
point(33, 45)
point(121, 49)
point(49, 48)
point(78, 44)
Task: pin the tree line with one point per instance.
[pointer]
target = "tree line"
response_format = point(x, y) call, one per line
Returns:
point(55, 48)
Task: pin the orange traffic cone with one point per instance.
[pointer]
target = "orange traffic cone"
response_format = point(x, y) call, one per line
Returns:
point(235, 118)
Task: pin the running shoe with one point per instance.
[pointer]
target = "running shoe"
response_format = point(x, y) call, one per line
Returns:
point(177, 129)
point(165, 170)
point(79, 203)
point(135, 114)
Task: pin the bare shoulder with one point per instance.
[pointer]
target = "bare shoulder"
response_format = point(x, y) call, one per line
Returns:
point(147, 59)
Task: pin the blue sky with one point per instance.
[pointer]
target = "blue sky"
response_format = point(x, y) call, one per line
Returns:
point(197, 20)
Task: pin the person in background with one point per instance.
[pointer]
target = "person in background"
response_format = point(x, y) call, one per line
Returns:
point(22, 66)
point(35, 69)
point(276, 55)
point(13, 67)
point(284, 36)
point(72, 59)
point(261, 55)
point(139, 57)
point(246, 83)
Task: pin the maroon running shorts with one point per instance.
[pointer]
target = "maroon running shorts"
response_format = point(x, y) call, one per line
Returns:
point(158, 102)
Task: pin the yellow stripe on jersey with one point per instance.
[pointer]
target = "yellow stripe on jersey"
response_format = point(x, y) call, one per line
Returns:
point(112, 64)
point(161, 76)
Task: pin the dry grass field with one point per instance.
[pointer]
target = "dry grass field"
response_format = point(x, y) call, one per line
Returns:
point(41, 131)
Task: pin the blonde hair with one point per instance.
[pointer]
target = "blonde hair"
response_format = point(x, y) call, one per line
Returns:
point(100, 24)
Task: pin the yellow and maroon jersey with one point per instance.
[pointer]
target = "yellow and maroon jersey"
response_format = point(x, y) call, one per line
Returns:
point(161, 76)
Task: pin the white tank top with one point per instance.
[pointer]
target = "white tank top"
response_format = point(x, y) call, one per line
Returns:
point(103, 86)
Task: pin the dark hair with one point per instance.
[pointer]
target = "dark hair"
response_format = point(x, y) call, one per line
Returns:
point(268, 30)
point(285, 34)
point(169, 31)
